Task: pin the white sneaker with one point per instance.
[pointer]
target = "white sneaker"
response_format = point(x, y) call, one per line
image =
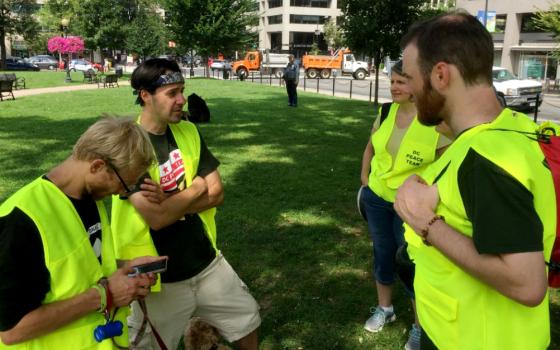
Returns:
point(379, 318)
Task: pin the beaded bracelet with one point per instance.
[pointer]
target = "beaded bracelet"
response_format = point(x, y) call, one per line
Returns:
point(103, 297)
point(424, 233)
point(104, 282)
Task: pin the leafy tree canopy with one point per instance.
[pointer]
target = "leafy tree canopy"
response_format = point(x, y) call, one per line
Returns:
point(16, 17)
point(212, 26)
point(147, 21)
point(549, 20)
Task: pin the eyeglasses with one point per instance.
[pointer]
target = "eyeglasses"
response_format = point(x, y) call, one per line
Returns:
point(126, 188)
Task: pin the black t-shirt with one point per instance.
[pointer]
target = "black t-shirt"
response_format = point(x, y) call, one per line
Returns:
point(185, 241)
point(25, 277)
point(500, 208)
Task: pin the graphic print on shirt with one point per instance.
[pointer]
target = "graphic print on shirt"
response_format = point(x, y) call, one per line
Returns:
point(172, 172)
point(94, 233)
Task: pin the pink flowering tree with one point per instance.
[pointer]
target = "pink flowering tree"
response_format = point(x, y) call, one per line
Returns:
point(71, 44)
point(68, 45)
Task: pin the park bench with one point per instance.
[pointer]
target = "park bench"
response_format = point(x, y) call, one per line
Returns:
point(90, 76)
point(111, 80)
point(16, 82)
point(6, 87)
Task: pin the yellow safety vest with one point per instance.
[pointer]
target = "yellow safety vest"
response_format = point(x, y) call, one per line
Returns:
point(71, 261)
point(416, 151)
point(133, 238)
point(458, 311)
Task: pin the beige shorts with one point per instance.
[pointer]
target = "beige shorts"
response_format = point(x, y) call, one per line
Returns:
point(217, 295)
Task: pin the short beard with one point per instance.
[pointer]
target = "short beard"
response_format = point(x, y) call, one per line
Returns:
point(430, 105)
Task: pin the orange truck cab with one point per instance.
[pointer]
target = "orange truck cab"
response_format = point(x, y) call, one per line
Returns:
point(342, 60)
point(263, 61)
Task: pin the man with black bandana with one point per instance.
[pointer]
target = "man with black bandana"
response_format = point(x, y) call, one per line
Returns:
point(172, 213)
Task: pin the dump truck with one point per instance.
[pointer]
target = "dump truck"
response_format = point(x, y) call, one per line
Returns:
point(342, 60)
point(263, 61)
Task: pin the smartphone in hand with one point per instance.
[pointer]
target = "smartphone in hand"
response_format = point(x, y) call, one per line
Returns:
point(154, 267)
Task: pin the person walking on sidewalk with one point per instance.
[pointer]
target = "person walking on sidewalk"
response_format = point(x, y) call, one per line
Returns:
point(291, 77)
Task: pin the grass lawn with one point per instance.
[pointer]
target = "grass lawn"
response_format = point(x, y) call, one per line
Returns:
point(44, 78)
point(289, 223)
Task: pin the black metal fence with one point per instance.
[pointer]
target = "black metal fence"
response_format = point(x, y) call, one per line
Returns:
point(339, 86)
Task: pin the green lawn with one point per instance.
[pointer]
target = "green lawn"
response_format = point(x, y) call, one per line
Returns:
point(289, 223)
point(44, 78)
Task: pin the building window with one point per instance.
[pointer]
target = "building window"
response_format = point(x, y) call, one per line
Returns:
point(528, 24)
point(275, 19)
point(274, 3)
point(500, 24)
point(307, 19)
point(339, 20)
point(311, 3)
point(276, 41)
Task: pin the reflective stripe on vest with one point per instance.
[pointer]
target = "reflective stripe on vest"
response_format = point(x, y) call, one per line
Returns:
point(456, 310)
point(71, 261)
point(416, 151)
point(133, 237)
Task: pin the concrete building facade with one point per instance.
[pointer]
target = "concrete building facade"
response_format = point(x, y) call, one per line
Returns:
point(294, 25)
point(518, 44)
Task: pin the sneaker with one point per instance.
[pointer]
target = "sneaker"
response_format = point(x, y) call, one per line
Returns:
point(413, 342)
point(379, 318)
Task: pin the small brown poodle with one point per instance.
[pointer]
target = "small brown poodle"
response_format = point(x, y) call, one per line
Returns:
point(199, 335)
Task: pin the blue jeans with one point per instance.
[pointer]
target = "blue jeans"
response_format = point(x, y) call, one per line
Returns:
point(387, 233)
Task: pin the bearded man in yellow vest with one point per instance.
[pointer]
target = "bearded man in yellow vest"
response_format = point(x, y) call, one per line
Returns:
point(173, 215)
point(481, 219)
point(60, 280)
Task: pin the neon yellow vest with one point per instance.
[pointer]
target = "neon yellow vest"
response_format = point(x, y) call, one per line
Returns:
point(458, 311)
point(71, 262)
point(416, 151)
point(133, 237)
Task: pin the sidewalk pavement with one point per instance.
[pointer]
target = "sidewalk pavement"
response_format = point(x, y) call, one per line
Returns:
point(31, 92)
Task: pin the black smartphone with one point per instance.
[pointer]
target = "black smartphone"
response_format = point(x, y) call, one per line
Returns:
point(156, 266)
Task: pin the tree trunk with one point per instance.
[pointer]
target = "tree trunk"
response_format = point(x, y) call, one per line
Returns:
point(2, 49)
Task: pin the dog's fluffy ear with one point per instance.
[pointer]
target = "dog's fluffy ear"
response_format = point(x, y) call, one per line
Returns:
point(199, 335)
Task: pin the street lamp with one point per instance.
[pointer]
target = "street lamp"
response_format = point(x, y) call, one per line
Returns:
point(64, 23)
point(191, 72)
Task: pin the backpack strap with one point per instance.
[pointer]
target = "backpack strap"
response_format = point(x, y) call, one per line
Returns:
point(384, 112)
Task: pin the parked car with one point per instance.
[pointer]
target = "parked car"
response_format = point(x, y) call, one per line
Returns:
point(187, 60)
point(516, 93)
point(16, 63)
point(219, 65)
point(96, 66)
point(44, 61)
point(80, 65)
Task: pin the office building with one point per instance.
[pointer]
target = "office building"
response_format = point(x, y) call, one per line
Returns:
point(518, 44)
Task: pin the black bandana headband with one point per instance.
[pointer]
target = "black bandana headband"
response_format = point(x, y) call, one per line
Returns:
point(165, 79)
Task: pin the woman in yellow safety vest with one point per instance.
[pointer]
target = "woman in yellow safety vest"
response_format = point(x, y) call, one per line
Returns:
point(399, 146)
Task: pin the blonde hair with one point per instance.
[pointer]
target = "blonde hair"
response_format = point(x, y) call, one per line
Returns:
point(119, 141)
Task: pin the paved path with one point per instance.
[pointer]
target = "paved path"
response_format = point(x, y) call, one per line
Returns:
point(30, 92)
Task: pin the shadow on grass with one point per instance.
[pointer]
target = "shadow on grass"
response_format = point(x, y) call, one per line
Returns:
point(32, 144)
point(289, 223)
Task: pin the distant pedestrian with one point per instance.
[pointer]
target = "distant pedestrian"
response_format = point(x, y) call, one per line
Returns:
point(291, 77)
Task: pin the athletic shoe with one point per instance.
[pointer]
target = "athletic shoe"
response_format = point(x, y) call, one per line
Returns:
point(379, 318)
point(413, 342)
